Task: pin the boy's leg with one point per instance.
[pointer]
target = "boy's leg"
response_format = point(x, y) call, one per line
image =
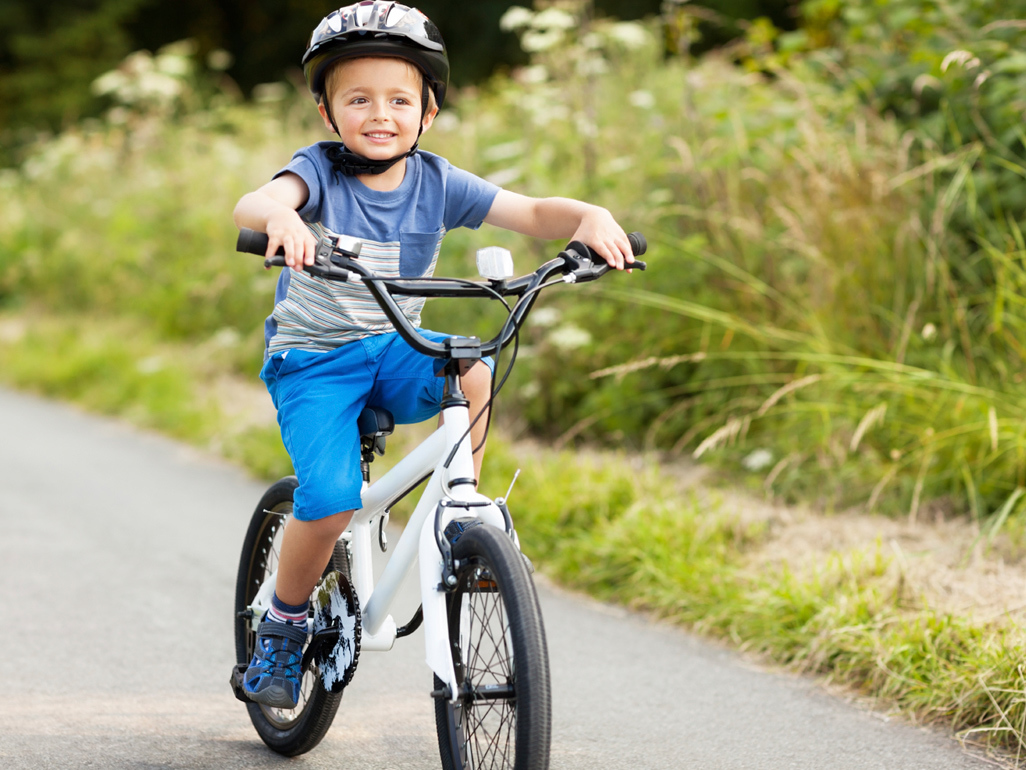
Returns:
point(319, 397)
point(306, 548)
point(477, 387)
point(406, 385)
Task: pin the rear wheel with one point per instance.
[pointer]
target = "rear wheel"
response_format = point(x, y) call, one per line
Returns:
point(287, 731)
point(502, 715)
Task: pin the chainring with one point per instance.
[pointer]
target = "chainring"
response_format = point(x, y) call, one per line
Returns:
point(337, 609)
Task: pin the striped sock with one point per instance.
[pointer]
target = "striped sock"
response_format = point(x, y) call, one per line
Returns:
point(280, 612)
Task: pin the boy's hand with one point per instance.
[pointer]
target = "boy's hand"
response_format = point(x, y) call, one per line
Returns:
point(272, 210)
point(605, 237)
point(286, 229)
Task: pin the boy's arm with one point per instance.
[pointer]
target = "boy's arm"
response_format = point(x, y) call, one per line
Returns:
point(272, 210)
point(564, 218)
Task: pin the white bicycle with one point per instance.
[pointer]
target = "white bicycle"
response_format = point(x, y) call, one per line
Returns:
point(483, 626)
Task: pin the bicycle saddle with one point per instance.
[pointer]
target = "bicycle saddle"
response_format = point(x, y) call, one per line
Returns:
point(374, 422)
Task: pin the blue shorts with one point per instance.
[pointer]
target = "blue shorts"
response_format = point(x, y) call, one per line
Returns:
point(319, 396)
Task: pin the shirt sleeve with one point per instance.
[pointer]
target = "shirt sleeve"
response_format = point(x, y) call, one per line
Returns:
point(468, 198)
point(305, 167)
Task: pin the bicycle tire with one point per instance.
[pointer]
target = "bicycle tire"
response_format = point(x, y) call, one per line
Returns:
point(288, 732)
point(497, 640)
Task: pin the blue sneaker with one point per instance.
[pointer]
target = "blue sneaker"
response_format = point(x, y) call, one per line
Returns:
point(273, 677)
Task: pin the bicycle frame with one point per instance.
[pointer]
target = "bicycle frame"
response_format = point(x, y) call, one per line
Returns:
point(445, 455)
point(418, 539)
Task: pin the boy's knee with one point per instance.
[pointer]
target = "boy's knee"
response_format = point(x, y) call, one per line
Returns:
point(327, 527)
point(477, 383)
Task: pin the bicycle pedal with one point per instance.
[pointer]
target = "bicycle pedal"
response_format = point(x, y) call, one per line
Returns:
point(238, 672)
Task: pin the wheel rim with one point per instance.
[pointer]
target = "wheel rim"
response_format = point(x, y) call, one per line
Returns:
point(265, 563)
point(485, 724)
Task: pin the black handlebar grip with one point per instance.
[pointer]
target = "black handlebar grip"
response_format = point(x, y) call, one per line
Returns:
point(252, 242)
point(638, 243)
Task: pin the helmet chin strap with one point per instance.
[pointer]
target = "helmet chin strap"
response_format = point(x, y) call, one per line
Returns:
point(345, 161)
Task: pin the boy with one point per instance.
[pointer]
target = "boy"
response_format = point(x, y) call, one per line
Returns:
point(379, 72)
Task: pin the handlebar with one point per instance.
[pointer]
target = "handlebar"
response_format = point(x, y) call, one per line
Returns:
point(336, 260)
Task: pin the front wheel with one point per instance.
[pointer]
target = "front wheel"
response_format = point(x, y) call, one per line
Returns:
point(501, 717)
point(287, 731)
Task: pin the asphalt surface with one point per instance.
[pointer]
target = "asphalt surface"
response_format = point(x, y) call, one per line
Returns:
point(118, 552)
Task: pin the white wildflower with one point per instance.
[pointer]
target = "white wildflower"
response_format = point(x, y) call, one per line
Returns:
point(532, 75)
point(517, 17)
point(642, 99)
point(544, 316)
point(535, 41)
point(757, 460)
point(592, 65)
point(219, 59)
point(629, 35)
point(158, 86)
point(109, 83)
point(553, 18)
point(266, 93)
point(175, 66)
point(569, 337)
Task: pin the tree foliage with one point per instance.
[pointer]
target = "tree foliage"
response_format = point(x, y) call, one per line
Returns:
point(51, 52)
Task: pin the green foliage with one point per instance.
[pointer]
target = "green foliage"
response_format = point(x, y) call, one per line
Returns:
point(117, 374)
point(812, 318)
point(954, 72)
point(123, 368)
point(850, 619)
point(812, 315)
point(51, 52)
point(49, 55)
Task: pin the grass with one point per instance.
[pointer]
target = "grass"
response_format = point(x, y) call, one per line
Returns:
point(620, 530)
point(117, 369)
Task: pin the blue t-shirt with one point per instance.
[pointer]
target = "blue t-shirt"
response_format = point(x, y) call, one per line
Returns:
point(401, 230)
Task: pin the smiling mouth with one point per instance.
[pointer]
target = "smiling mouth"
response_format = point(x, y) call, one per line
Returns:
point(380, 135)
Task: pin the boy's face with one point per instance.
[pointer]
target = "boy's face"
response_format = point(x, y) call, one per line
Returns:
point(376, 103)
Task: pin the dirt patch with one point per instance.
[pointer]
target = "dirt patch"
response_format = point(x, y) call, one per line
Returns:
point(946, 564)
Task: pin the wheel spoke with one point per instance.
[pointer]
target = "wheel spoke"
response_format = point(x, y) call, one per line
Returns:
point(489, 724)
point(501, 665)
point(283, 719)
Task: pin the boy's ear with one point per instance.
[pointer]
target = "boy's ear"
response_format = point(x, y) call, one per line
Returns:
point(324, 117)
point(429, 118)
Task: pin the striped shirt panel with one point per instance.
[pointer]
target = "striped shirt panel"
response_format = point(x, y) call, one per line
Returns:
point(318, 314)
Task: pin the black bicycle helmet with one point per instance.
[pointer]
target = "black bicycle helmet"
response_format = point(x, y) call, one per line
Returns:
point(377, 28)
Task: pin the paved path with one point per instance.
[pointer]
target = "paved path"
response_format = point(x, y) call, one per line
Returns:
point(117, 567)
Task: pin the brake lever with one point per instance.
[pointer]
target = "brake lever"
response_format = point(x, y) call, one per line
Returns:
point(581, 264)
point(320, 270)
point(332, 253)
